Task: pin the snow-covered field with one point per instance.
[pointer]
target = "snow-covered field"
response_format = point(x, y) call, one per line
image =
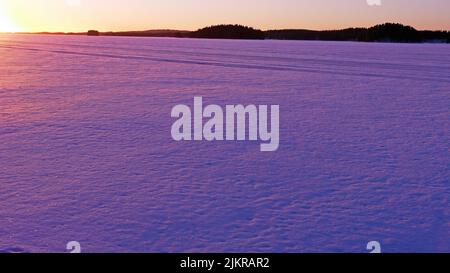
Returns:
point(86, 153)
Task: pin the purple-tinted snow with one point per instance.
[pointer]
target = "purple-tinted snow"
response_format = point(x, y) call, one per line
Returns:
point(86, 152)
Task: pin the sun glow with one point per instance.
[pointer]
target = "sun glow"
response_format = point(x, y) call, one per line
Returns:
point(6, 24)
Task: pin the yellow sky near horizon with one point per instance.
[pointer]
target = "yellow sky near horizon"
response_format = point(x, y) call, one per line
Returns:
point(114, 15)
point(7, 24)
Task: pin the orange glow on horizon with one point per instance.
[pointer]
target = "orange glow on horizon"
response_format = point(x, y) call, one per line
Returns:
point(115, 15)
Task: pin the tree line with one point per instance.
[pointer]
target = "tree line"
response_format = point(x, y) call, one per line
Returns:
point(388, 32)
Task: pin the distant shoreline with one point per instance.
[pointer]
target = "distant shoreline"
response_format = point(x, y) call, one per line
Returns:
point(388, 32)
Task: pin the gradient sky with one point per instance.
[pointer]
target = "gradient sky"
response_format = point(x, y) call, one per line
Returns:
point(105, 15)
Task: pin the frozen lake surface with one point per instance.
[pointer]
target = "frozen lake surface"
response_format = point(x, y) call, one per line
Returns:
point(86, 152)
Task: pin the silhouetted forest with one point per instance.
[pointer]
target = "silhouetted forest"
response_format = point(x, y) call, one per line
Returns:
point(151, 33)
point(388, 32)
point(228, 32)
point(93, 33)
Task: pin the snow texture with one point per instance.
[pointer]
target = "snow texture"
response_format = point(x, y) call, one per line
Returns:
point(86, 152)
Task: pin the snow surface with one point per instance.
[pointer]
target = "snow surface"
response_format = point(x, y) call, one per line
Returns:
point(86, 152)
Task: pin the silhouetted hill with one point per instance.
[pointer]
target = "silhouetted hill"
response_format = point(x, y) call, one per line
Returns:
point(228, 32)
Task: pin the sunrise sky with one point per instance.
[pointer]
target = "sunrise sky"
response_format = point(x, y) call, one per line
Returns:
point(106, 15)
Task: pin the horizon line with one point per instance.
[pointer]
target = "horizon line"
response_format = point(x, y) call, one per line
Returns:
point(186, 30)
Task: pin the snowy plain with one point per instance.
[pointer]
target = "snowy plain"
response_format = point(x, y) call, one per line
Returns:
point(86, 153)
